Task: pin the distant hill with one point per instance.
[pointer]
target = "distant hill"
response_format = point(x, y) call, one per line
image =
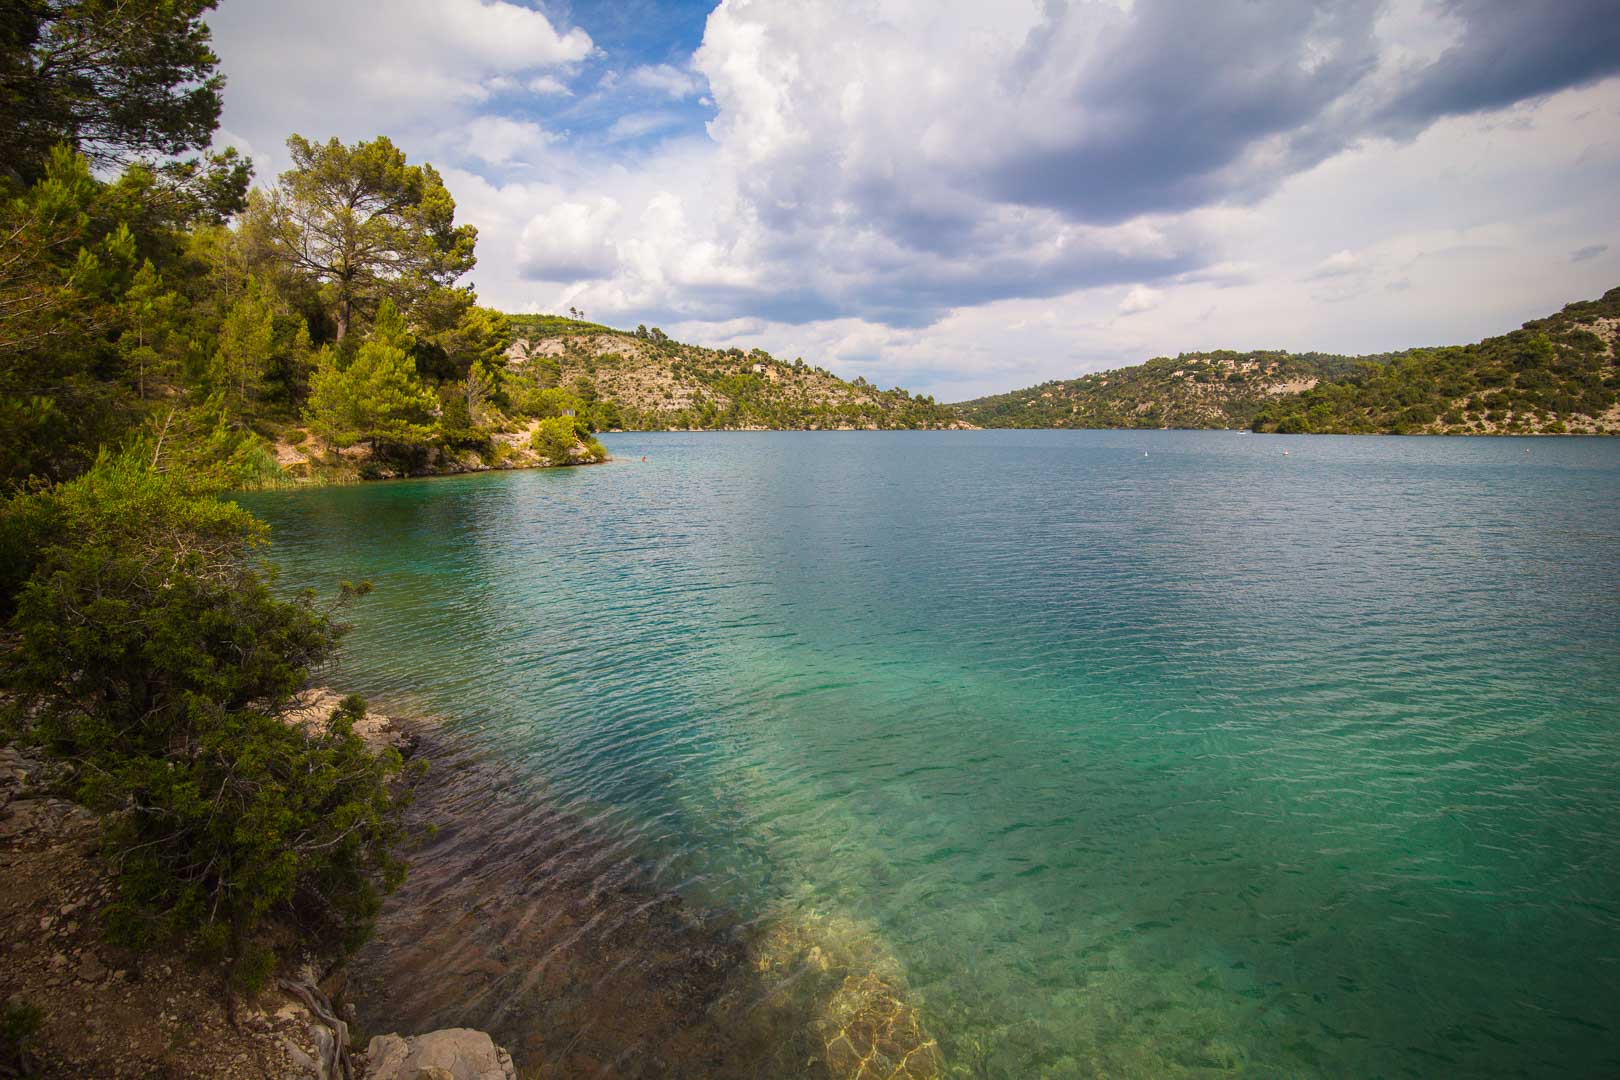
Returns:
point(1555, 375)
point(1220, 389)
point(645, 381)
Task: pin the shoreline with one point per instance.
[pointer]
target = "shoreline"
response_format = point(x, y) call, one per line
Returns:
point(326, 481)
point(1233, 431)
point(524, 938)
point(98, 1009)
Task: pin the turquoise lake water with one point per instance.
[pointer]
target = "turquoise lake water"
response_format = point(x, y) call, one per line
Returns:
point(1146, 754)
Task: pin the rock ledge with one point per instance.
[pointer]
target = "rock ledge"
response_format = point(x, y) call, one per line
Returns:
point(450, 1054)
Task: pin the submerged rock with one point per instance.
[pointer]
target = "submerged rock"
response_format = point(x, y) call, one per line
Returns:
point(450, 1054)
point(871, 1030)
point(853, 988)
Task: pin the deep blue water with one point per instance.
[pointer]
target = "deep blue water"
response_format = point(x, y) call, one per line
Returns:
point(1143, 753)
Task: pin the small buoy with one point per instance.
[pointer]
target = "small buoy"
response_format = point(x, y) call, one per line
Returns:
point(1287, 452)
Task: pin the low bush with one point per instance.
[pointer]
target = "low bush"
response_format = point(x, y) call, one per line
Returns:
point(554, 438)
point(152, 654)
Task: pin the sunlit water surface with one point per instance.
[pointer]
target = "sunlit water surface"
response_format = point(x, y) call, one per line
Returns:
point(1145, 753)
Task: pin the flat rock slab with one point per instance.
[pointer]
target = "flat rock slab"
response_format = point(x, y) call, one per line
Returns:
point(450, 1054)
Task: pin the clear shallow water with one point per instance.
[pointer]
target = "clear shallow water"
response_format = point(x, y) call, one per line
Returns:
point(1210, 759)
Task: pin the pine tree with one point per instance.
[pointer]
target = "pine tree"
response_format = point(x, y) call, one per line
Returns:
point(378, 398)
point(393, 407)
point(366, 225)
point(151, 318)
point(247, 340)
point(479, 388)
point(332, 412)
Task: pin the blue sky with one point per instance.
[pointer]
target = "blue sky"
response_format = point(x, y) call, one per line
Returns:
point(963, 198)
point(656, 39)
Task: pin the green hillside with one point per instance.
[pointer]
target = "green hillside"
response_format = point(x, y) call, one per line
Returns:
point(1220, 389)
point(1555, 375)
point(643, 380)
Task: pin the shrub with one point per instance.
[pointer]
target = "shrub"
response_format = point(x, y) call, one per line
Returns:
point(554, 438)
point(153, 655)
point(542, 402)
point(20, 1021)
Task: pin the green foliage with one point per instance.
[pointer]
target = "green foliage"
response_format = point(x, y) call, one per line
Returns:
point(1220, 389)
point(142, 341)
point(539, 326)
point(152, 654)
point(531, 400)
point(604, 416)
point(391, 330)
point(467, 409)
point(646, 381)
point(1549, 376)
point(65, 272)
point(366, 225)
point(20, 1021)
point(554, 438)
point(395, 409)
point(247, 344)
point(478, 391)
point(117, 81)
point(291, 360)
point(206, 443)
point(378, 398)
point(455, 333)
point(333, 411)
point(151, 336)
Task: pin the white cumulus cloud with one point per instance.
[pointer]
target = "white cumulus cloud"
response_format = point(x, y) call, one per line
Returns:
point(498, 140)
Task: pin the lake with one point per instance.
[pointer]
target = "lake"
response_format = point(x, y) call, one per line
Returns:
point(1137, 753)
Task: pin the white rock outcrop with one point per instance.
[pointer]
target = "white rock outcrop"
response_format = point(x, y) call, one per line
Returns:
point(450, 1054)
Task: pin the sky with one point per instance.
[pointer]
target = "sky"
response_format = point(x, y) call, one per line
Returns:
point(964, 198)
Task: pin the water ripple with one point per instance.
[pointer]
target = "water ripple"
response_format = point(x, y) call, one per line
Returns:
point(1210, 761)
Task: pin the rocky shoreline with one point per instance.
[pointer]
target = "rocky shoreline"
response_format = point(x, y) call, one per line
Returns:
point(103, 1011)
point(519, 925)
point(300, 465)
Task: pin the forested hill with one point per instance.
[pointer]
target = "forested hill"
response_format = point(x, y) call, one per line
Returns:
point(643, 380)
point(1555, 375)
point(1219, 389)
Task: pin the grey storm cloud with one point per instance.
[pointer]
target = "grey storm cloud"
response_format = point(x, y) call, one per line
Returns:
point(917, 295)
point(1510, 51)
point(1591, 251)
point(1170, 108)
point(970, 263)
point(1176, 96)
point(1187, 105)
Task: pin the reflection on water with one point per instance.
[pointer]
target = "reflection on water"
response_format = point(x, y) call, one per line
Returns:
point(1078, 761)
